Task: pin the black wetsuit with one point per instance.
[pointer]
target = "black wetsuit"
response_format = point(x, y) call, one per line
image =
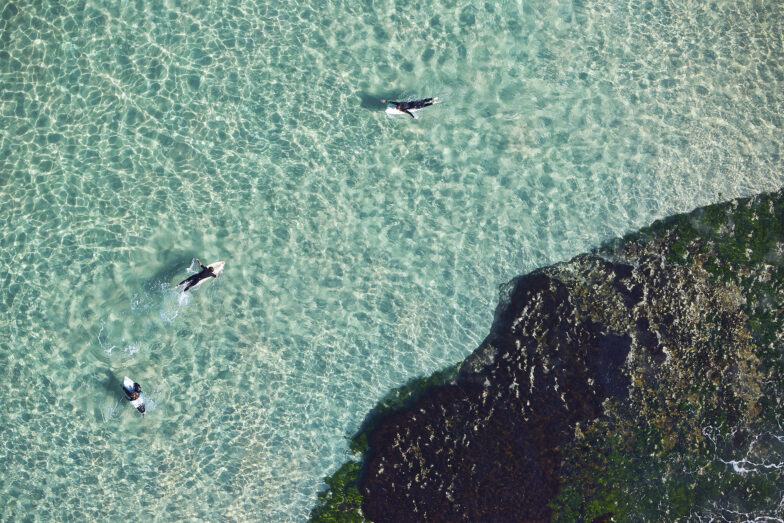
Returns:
point(196, 278)
point(407, 107)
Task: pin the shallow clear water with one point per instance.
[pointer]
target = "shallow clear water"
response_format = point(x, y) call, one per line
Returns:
point(361, 251)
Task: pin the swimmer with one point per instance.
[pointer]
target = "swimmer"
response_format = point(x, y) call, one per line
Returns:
point(413, 105)
point(206, 272)
point(134, 392)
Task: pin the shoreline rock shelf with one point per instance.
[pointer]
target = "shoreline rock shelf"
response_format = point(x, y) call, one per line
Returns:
point(641, 381)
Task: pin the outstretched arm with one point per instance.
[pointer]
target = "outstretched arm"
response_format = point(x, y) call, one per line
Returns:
point(199, 262)
point(409, 113)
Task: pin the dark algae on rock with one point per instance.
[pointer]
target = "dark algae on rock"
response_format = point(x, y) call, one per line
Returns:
point(640, 382)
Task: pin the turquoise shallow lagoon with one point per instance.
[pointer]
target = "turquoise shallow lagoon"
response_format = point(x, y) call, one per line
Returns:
point(361, 251)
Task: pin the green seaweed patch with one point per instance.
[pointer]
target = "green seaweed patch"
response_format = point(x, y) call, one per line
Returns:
point(632, 472)
point(736, 234)
point(765, 309)
point(342, 500)
point(602, 473)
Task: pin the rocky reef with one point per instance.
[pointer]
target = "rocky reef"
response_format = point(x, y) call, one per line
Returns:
point(639, 382)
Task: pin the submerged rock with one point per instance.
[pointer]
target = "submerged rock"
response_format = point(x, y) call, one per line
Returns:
point(630, 383)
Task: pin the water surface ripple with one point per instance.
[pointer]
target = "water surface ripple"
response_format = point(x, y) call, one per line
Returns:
point(361, 251)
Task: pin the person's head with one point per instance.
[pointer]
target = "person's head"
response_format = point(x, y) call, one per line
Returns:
point(212, 269)
point(137, 387)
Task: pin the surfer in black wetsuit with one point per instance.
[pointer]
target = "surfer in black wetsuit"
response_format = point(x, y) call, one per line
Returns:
point(206, 272)
point(407, 107)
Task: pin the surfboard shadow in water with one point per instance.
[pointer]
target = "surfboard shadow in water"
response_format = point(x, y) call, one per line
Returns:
point(110, 387)
point(372, 101)
point(111, 383)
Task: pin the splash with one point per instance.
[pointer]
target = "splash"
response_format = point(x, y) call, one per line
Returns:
point(107, 350)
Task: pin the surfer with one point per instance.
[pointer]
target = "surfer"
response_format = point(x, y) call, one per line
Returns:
point(134, 392)
point(413, 105)
point(191, 281)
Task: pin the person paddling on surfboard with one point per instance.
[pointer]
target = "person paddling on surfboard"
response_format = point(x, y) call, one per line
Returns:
point(134, 392)
point(407, 107)
point(191, 281)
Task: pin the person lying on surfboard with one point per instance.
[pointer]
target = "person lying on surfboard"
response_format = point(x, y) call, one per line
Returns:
point(191, 281)
point(407, 107)
point(134, 392)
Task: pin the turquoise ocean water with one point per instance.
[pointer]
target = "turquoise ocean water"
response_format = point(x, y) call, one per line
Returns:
point(361, 251)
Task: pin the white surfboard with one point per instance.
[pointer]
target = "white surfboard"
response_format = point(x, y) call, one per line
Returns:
point(391, 112)
point(218, 266)
point(128, 386)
